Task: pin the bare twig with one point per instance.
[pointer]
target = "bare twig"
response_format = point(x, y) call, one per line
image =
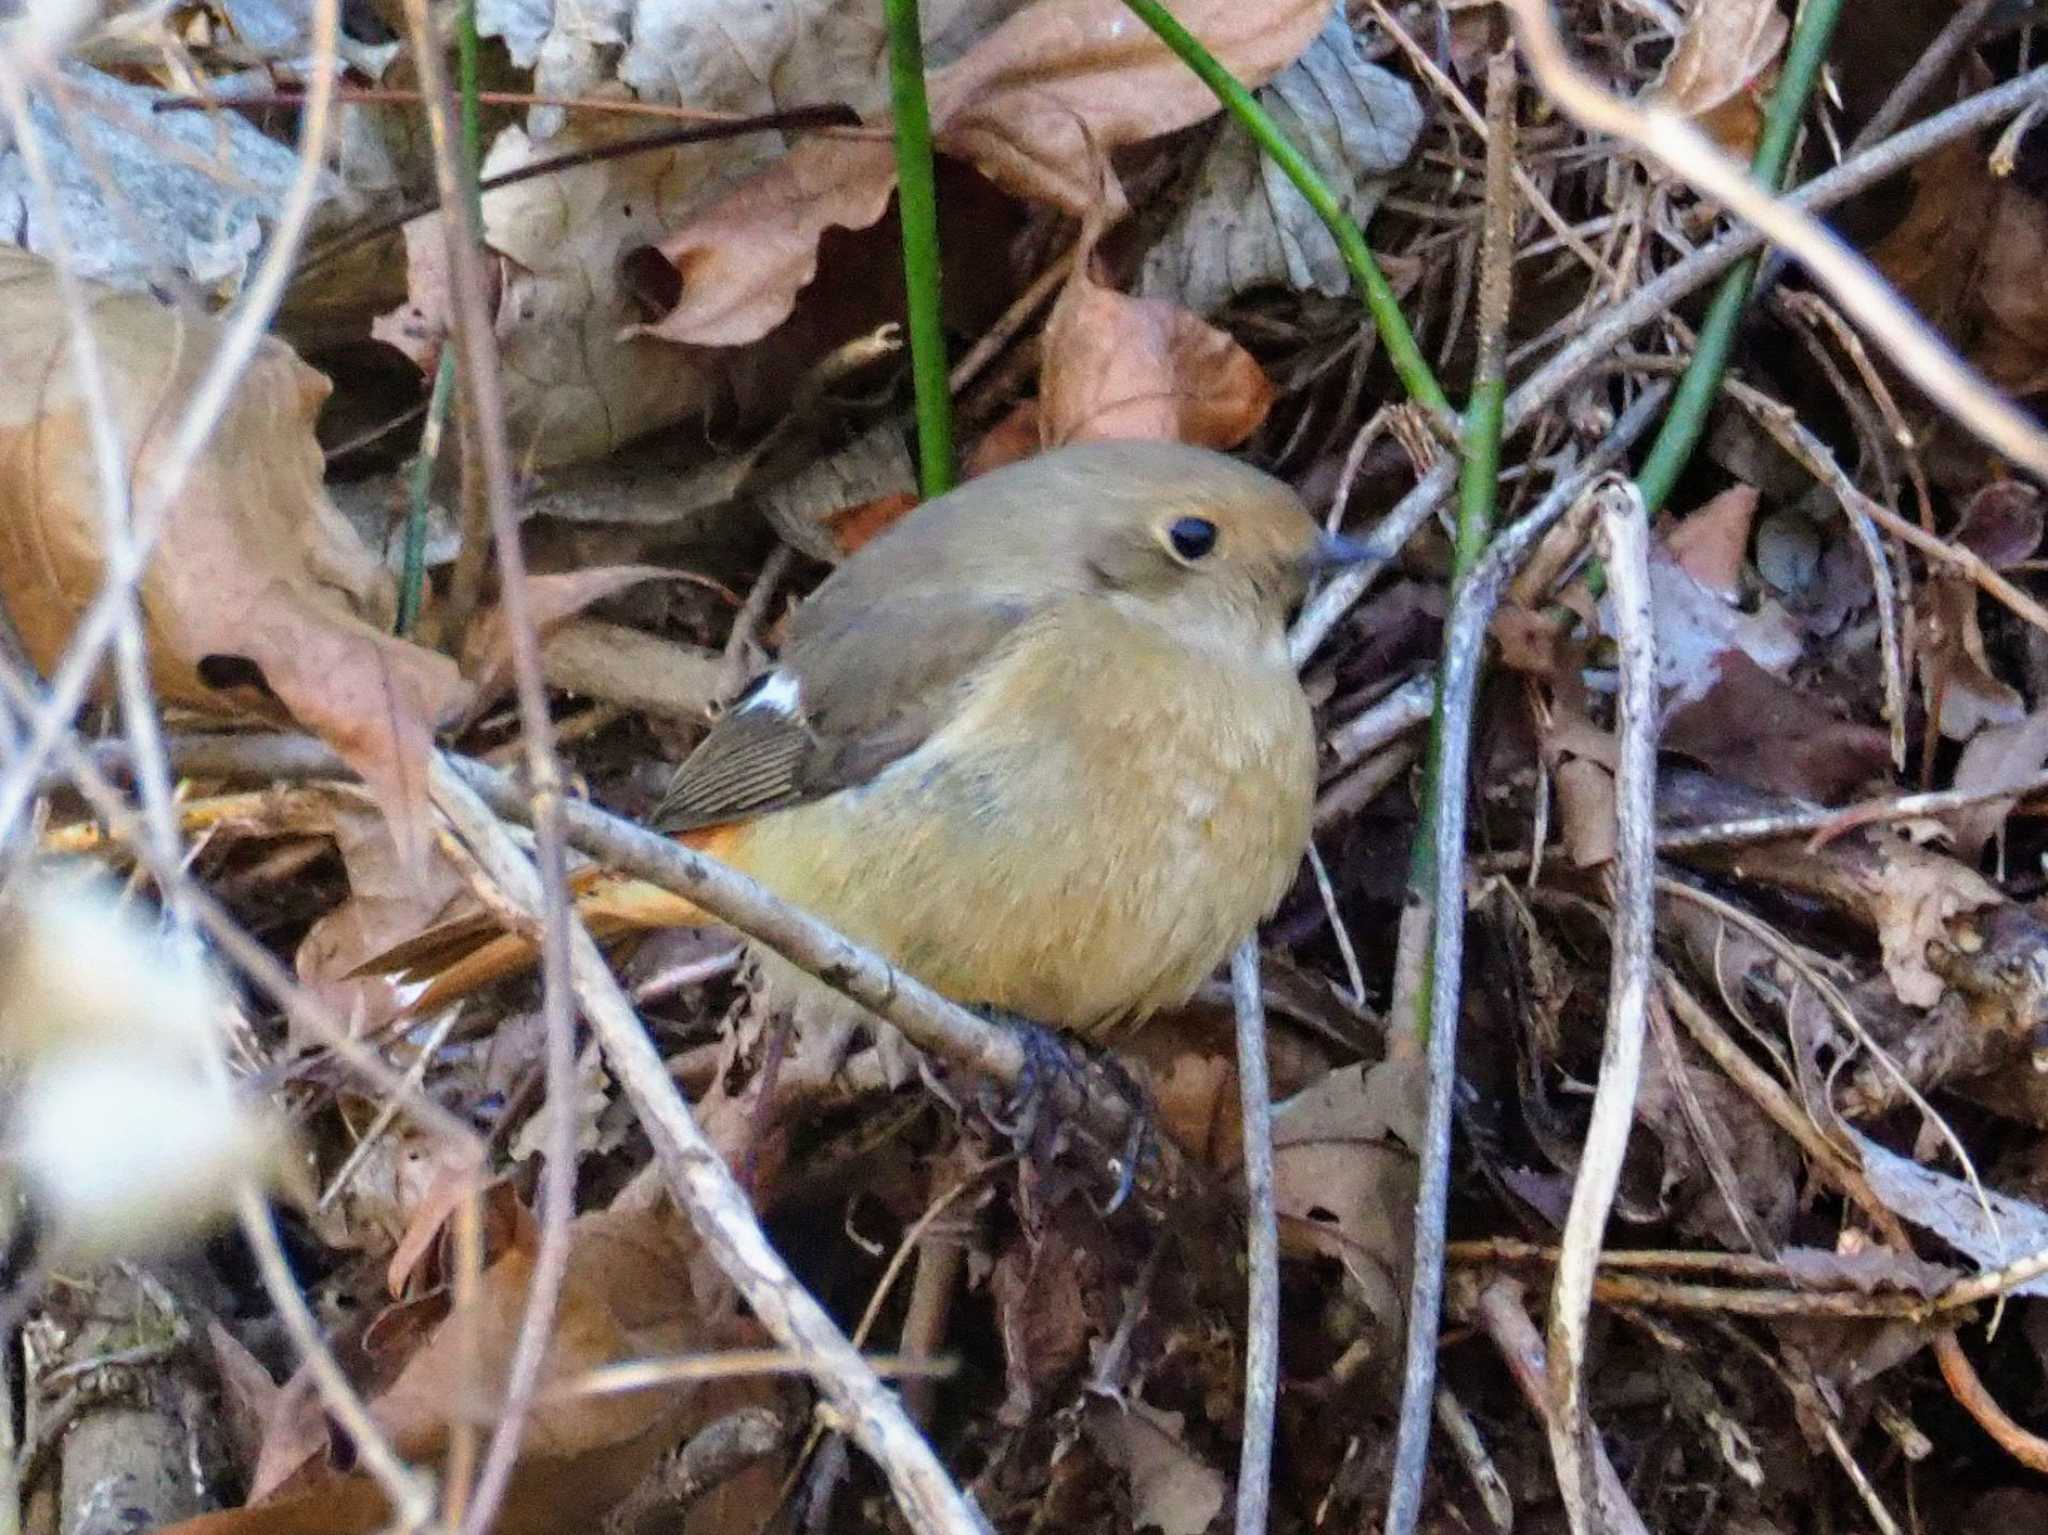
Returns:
point(168, 470)
point(1500, 1312)
point(705, 1189)
point(1625, 533)
point(1472, 608)
point(1262, 1256)
point(1610, 326)
point(1855, 284)
point(476, 341)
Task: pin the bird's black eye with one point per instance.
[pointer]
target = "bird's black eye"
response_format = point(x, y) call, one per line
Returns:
point(1192, 537)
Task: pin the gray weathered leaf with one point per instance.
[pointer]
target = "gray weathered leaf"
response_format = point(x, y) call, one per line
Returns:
point(1953, 1210)
point(1246, 226)
point(136, 199)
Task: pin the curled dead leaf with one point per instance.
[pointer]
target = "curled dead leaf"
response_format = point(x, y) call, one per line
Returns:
point(1724, 60)
point(1117, 366)
point(1034, 106)
point(255, 579)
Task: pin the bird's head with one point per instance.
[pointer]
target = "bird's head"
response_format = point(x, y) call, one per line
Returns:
point(1209, 547)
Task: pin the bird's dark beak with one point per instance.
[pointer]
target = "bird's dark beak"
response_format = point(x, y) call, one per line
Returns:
point(1331, 550)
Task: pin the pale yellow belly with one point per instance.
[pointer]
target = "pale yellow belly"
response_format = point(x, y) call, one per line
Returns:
point(1081, 845)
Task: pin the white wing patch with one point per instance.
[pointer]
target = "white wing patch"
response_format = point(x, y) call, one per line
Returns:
point(779, 694)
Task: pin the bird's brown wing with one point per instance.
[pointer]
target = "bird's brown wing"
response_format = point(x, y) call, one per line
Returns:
point(862, 686)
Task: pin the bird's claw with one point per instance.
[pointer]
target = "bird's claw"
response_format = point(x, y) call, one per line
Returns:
point(1051, 1061)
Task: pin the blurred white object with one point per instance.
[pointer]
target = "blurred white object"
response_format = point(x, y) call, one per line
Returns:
point(123, 1127)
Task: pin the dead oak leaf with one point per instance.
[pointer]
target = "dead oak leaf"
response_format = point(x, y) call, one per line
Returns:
point(1117, 366)
point(1723, 62)
point(255, 578)
point(1034, 106)
point(1914, 900)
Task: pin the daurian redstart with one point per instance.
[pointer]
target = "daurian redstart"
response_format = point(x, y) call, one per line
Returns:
point(1039, 744)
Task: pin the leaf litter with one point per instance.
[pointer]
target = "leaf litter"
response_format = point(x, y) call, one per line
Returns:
point(1840, 1119)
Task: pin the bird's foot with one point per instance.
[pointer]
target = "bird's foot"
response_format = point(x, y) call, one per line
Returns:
point(1054, 1085)
point(1050, 1063)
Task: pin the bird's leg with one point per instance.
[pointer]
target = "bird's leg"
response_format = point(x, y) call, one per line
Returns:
point(1047, 1060)
point(1052, 1060)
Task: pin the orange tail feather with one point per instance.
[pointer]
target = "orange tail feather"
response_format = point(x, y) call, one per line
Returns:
point(457, 958)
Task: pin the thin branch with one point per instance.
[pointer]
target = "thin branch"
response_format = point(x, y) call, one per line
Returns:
point(476, 342)
point(1855, 284)
point(1472, 606)
point(704, 1188)
point(166, 472)
point(1611, 326)
point(1625, 534)
point(1262, 1252)
point(928, 1020)
point(1501, 1313)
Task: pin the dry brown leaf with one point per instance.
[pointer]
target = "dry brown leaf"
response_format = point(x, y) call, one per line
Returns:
point(1723, 63)
point(1711, 544)
point(574, 387)
point(1760, 730)
point(1694, 584)
point(1996, 755)
point(1342, 1184)
point(1955, 672)
point(638, 1286)
point(386, 902)
point(255, 574)
point(1051, 1296)
point(552, 600)
point(1913, 903)
point(1035, 106)
point(1968, 255)
point(1117, 366)
point(1172, 1489)
point(2002, 523)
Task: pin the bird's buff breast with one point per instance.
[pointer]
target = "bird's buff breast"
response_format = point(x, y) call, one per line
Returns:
point(1084, 840)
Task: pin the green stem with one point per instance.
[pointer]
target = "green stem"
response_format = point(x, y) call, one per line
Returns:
point(1686, 420)
point(1402, 349)
point(918, 206)
point(412, 579)
point(472, 111)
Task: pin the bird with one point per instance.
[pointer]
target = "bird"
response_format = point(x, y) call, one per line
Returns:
point(1040, 744)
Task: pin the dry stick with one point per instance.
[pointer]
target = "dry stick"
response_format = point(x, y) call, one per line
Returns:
point(110, 458)
point(411, 1498)
point(1464, 638)
point(244, 332)
point(1847, 1175)
point(1426, 64)
point(1521, 1350)
point(1625, 533)
point(1854, 283)
point(1959, 33)
point(477, 344)
point(131, 535)
point(1612, 326)
point(927, 1019)
point(1262, 1250)
point(705, 1189)
point(1472, 607)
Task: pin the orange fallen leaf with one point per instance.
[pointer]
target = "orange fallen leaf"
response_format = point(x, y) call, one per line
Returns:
point(638, 1286)
point(1117, 366)
point(256, 577)
point(1724, 61)
point(1035, 106)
